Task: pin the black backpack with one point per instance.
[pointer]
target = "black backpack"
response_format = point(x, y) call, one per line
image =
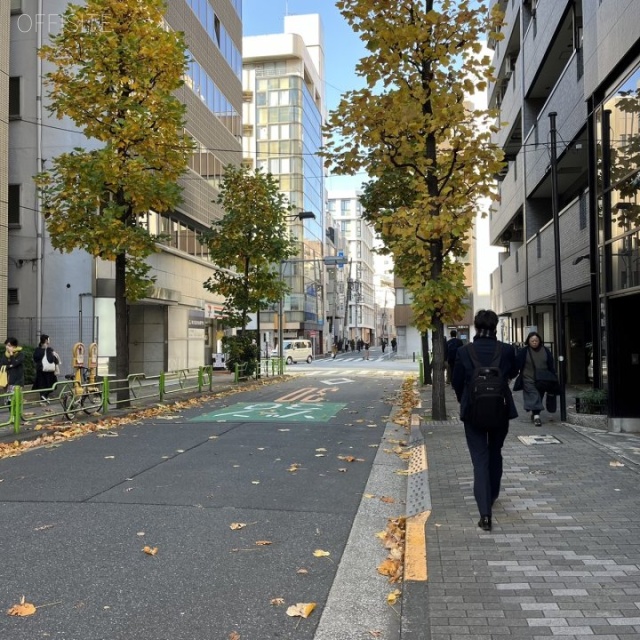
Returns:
point(488, 398)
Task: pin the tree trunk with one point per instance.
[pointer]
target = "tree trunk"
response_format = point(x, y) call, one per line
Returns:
point(439, 406)
point(122, 333)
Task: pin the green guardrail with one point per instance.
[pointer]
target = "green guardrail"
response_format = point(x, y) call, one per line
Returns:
point(68, 398)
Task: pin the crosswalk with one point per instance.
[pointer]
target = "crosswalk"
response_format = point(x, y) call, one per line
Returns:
point(328, 361)
point(344, 372)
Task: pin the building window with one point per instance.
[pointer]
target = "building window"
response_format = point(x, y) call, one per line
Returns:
point(14, 204)
point(14, 97)
point(583, 211)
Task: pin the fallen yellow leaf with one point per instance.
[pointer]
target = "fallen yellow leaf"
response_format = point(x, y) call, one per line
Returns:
point(392, 598)
point(237, 525)
point(319, 553)
point(387, 499)
point(302, 609)
point(277, 602)
point(150, 550)
point(303, 572)
point(22, 609)
point(263, 543)
point(234, 635)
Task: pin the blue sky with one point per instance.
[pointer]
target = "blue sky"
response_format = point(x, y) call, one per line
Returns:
point(342, 49)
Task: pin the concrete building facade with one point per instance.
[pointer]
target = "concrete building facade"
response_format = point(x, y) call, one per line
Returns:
point(574, 64)
point(5, 11)
point(284, 109)
point(70, 296)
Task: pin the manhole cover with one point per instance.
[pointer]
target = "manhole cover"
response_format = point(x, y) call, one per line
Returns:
point(539, 440)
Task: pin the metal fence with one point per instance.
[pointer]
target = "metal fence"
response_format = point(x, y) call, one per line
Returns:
point(63, 332)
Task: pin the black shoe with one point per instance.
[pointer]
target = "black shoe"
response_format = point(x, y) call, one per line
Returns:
point(537, 421)
point(485, 523)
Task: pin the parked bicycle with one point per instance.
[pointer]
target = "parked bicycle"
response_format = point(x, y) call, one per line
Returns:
point(82, 395)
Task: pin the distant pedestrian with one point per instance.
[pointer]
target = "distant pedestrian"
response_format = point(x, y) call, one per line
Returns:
point(13, 360)
point(485, 442)
point(452, 346)
point(365, 347)
point(394, 344)
point(352, 344)
point(535, 362)
point(383, 344)
point(46, 360)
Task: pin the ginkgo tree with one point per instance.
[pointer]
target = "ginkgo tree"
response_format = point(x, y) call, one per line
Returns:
point(116, 68)
point(249, 242)
point(411, 128)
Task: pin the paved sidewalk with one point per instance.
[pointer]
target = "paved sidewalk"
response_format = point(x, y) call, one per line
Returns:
point(563, 558)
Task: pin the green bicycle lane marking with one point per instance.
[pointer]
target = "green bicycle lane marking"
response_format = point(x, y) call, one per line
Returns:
point(273, 412)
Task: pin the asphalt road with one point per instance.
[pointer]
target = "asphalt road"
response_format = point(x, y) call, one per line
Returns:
point(236, 495)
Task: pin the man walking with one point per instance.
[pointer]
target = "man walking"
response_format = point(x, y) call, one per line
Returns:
point(452, 346)
point(486, 417)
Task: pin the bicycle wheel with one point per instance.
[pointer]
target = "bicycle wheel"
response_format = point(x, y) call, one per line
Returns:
point(91, 402)
point(69, 404)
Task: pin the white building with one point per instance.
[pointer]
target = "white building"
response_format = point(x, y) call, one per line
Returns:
point(70, 296)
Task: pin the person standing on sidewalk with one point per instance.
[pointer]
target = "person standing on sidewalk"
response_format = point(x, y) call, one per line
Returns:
point(45, 371)
point(533, 359)
point(13, 360)
point(485, 444)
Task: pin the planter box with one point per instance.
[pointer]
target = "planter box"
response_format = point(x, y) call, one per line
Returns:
point(593, 407)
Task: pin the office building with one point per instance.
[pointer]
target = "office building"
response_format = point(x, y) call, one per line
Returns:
point(569, 70)
point(346, 210)
point(70, 296)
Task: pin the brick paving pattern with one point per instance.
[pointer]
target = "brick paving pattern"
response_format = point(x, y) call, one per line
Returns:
point(563, 558)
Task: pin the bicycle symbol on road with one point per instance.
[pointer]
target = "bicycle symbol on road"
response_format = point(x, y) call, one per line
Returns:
point(273, 412)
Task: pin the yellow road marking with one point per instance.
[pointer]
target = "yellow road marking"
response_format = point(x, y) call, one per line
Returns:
point(415, 551)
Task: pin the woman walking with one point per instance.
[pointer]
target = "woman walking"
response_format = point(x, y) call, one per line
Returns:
point(535, 362)
point(45, 360)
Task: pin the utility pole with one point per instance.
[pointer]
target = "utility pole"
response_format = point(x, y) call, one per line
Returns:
point(558, 266)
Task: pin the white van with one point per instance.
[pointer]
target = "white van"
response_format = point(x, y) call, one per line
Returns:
point(295, 350)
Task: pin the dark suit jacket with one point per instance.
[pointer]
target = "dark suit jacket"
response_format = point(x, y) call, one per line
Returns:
point(463, 369)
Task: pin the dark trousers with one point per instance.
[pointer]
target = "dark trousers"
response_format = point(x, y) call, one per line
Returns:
point(485, 448)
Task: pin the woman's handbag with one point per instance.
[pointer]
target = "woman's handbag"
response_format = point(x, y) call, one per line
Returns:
point(518, 385)
point(547, 382)
point(48, 365)
point(4, 379)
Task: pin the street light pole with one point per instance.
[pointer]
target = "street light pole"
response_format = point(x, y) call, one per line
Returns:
point(302, 215)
